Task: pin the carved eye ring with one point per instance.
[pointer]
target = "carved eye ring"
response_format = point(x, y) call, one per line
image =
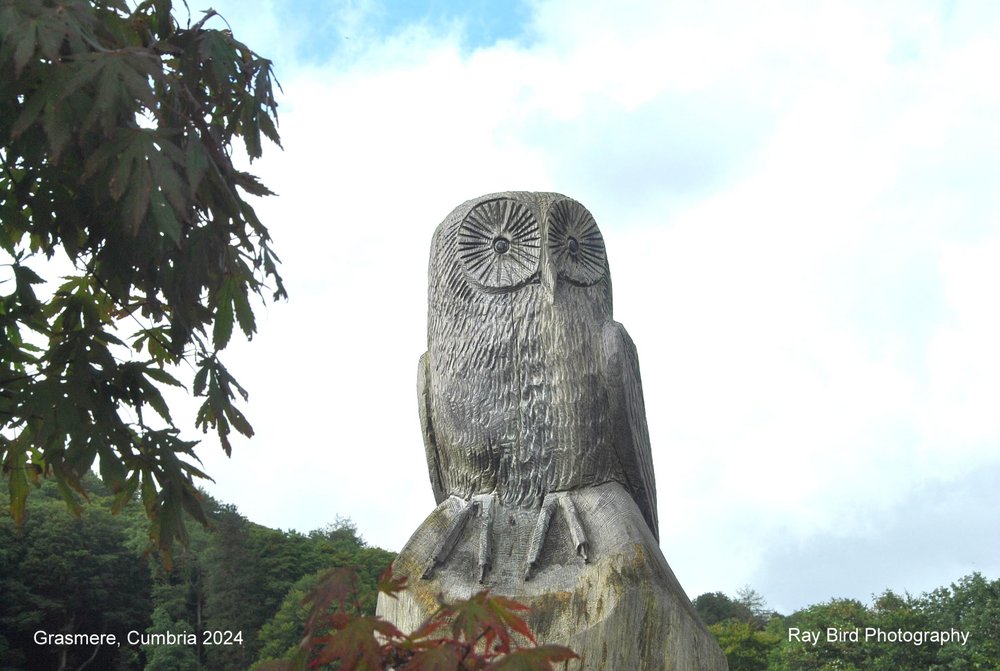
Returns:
point(575, 243)
point(499, 244)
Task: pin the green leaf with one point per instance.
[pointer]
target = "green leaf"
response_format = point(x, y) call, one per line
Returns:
point(238, 421)
point(163, 214)
point(15, 467)
point(85, 69)
point(33, 107)
point(118, 126)
point(149, 499)
point(51, 35)
point(163, 376)
point(223, 329)
point(58, 123)
point(244, 313)
point(124, 497)
point(154, 398)
point(26, 275)
point(196, 163)
point(70, 488)
point(25, 47)
point(191, 501)
point(113, 471)
point(163, 157)
point(171, 520)
point(201, 377)
point(139, 190)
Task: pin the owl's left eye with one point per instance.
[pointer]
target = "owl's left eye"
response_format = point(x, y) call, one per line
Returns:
point(575, 243)
point(498, 244)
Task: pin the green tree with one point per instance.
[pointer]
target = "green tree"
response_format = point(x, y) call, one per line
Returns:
point(343, 547)
point(116, 134)
point(843, 615)
point(715, 607)
point(972, 606)
point(280, 636)
point(746, 647)
point(339, 546)
point(65, 575)
point(892, 613)
point(162, 657)
point(178, 595)
point(233, 583)
point(756, 605)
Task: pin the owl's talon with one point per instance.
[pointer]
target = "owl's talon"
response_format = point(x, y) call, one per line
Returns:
point(450, 540)
point(538, 534)
point(575, 527)
point(485, 507)
point(565, 503)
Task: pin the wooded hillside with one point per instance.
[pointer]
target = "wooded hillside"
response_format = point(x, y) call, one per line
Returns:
point(237, 589)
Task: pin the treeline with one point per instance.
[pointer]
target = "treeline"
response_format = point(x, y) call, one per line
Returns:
point(954, 628)
point(231, 600)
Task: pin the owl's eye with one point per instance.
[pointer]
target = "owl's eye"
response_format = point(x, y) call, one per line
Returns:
point(575, 243)
point(498, 244)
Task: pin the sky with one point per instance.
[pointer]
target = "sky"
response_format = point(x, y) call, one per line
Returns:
point(802, 215)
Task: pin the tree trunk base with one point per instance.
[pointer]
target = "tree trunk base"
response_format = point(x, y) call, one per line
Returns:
point(621, 608)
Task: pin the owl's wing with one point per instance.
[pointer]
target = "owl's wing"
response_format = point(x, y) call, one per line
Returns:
point(424, 397)
point(631, 433)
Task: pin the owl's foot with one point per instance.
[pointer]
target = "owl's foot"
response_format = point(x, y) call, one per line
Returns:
point(549, 503)
point(483, 507)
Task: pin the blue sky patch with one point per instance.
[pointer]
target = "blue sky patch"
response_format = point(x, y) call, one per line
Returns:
point(326, 28)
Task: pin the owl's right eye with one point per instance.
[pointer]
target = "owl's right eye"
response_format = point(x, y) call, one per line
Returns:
point(498, 244)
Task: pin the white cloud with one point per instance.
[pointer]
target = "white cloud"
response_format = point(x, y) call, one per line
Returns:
point(801, 221)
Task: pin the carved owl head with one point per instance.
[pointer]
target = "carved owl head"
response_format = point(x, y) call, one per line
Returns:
point(544, 244)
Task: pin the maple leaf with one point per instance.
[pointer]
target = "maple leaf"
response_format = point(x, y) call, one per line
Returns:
point(490, 619)
point(354, 645)
point(443, 656)
point(337, 585)
point(533, 659)
point(389, 584)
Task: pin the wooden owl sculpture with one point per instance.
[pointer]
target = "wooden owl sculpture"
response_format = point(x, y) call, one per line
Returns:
point(535, 431)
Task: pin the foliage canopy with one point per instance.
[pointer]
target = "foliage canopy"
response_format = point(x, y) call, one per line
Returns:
point(116, 134)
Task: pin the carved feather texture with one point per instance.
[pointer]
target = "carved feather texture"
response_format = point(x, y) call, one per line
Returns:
point(523, 390)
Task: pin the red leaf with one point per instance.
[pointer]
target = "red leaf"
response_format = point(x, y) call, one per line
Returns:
point(444, 656)
point(355, 645)
point(425, 630)
point(389, 584)
point(490, 619)
point(533, 659)
point(336, 586)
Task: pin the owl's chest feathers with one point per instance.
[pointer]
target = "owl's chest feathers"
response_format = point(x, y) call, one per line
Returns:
point(521, 407)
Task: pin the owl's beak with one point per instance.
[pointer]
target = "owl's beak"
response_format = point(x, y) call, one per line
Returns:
point(549, 281)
